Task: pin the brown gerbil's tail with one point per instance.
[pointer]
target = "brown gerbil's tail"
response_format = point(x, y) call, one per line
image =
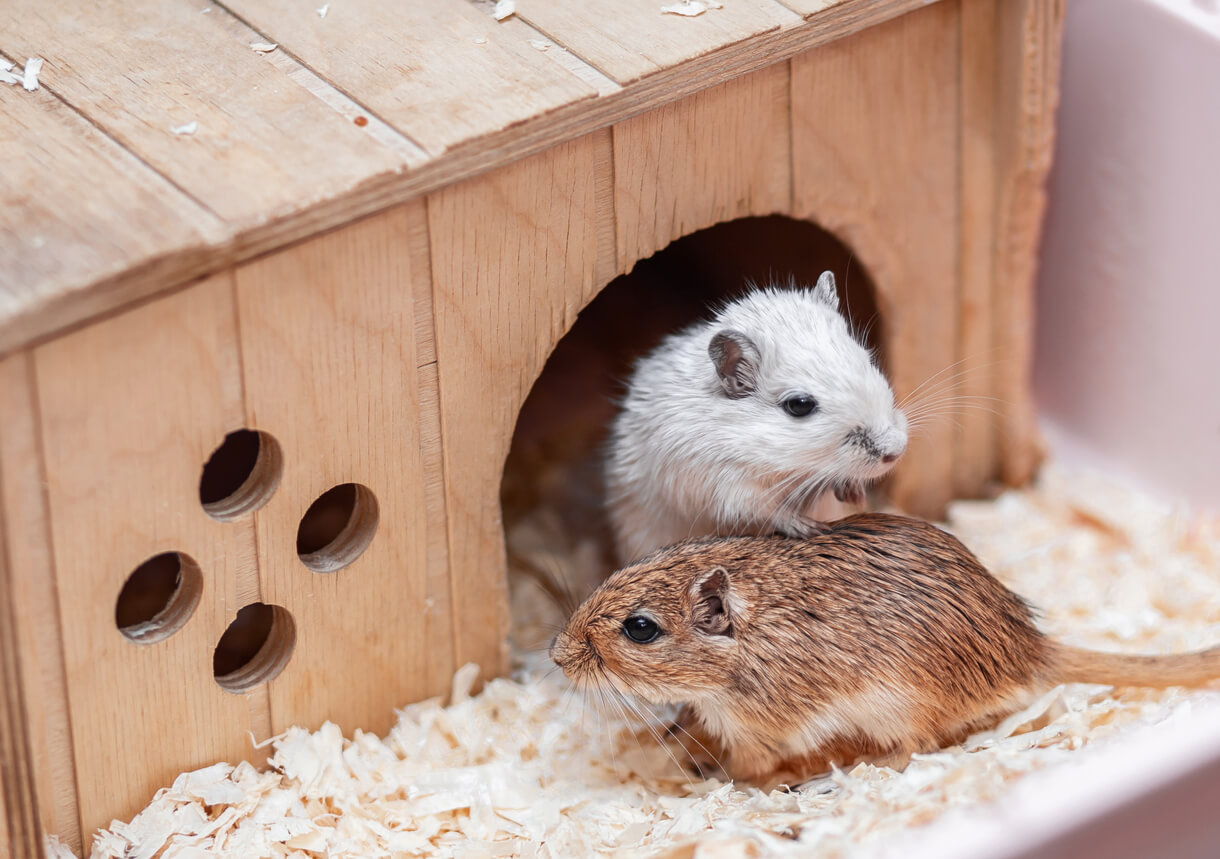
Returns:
point(1077, 665)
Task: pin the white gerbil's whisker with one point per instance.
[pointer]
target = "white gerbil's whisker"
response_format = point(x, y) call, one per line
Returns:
point(931, 379)
point(963, 374)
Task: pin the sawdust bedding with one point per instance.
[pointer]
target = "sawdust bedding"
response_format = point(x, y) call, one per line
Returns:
point(528, 768)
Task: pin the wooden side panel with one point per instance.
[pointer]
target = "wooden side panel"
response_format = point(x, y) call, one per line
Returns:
point(976, 460)
point(331, 361)
point(131, 409)
point(32, 593)
point(634, 38)
point(875, 140)
point(262, 144)
point(514, 258)
point(716, 156)
point(1028, 93)
point(439, 70)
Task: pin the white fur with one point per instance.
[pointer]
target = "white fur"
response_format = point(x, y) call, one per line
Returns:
point(881, 714)
point(688, 460)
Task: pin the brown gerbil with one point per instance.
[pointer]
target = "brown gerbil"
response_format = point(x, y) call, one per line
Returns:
point(881, 638)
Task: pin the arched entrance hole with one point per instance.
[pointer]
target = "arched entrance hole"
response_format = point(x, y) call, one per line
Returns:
point(552, 492)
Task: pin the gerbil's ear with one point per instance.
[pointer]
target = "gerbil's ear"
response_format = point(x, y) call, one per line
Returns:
point(736, 359)
point(710, 594)
point(826, 291)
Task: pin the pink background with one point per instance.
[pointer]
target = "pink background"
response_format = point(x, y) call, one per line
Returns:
point(1128, 351)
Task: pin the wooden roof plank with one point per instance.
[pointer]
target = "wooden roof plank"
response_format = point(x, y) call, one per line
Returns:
point(438, 70)
point(76, 209)
point(810, 7)
point(636, 38)
point(46, 308)
point(263, 143)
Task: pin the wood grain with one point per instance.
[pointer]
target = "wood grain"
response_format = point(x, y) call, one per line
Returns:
point(19, 823)
point(331, 363)
point(514, 259)
point(810, 7)
point(264, 144)
point(1027, 96)
point(32, 592)
point(130, 411)
point(633, 38)
point(421, 66)
point(61, 229)
point(440, 601)
point(716, 156)
point(976, 461)
point(48, 303)
point(875, 136)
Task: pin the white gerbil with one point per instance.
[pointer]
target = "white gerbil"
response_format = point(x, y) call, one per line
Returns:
point(738, 425)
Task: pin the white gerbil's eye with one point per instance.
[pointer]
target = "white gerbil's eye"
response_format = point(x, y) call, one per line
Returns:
point(800, 405)
point(641, 629)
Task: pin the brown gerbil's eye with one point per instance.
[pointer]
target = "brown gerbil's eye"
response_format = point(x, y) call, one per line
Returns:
point(641, 629)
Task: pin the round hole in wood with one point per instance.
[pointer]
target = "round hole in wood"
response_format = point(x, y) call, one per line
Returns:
point(337, 527)
point(255, 648)
point(241, 475)
point(158, 598)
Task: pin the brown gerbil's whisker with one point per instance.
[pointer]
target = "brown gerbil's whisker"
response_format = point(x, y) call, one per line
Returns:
point(604, 733)
point(643, 715)
point(624, 702)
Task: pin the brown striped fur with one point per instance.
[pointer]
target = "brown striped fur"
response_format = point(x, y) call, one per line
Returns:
point(883, 637)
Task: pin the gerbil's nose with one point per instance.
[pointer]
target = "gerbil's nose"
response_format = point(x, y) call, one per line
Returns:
point(893, 444)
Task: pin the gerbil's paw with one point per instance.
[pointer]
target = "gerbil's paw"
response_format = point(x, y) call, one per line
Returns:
point(851, 492)
point(802, 528)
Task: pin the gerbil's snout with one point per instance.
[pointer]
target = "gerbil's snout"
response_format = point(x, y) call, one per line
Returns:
point(885, 445)
point(571, 654)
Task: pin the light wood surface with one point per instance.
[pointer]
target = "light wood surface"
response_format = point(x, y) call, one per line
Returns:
point(632, 38)
point(976, 462)
point(438, 70)
point(79, 210)
point(32, 593)
point(19, 813)
point(874, 125)
point(438, 607)
point(1027, 96)
point(264, 144)
point(514, 258)
point(335, 381)
point(44, 302)
point(130, 411)
point(673, 177)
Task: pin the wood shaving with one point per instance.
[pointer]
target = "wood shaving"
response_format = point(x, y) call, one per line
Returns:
point(530, 768)
point(690, 8)
point(263, 47)
point(188, 129)
point(504, 9)
point(539, 44)
point(29, 79)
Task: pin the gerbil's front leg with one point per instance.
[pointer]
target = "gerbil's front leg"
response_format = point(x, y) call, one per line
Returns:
point(704, 751)
point(810, 520)
point(799, 527)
